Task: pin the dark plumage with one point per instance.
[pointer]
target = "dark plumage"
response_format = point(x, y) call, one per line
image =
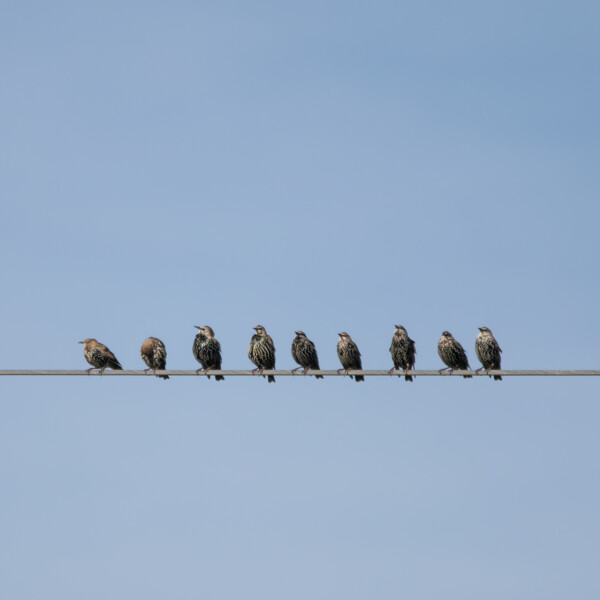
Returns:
point(305, 353)
point(403, 352)
point(261, 351)
point(488, 351)
point(453, 354)
point(99, 356)
point(207, 350)
point(349, 355)
point(154, 354)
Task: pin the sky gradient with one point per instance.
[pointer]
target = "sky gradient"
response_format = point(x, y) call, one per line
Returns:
point(324, 166)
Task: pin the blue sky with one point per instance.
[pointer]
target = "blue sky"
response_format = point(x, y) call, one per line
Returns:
point(323, 166)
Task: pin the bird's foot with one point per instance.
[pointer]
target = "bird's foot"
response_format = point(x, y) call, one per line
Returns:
point(391, 370)
point(297, 369)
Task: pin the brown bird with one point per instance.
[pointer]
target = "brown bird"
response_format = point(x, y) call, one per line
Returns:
point(261, 351)
point(99, 356)
point(349, 355)
point(488, 351)
point(453, 354)
point(154, 354)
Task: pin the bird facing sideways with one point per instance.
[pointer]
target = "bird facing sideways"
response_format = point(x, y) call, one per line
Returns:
point(261, 351)
point(154, 354)
point(488, 351)
point(305, 354)
point(349, 355)
point(207, 350)
point(99, 356)
point(452, 354)
point(403, 352)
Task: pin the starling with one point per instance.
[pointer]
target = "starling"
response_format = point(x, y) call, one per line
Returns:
point(261, 351)
point(403, 352)
point(349, 355)
point(99, 356)
point(453, 354)
point(207, 350)
point(488, 351)
point(154, 354)
point(305, 353)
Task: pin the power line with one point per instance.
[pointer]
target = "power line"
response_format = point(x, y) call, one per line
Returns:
point(281, 373)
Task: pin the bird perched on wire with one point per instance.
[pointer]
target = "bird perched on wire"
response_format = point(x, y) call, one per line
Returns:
point(305, 353)
point(207, 350)
point(154, 354)
point(488, 351)
point(403, 352)
point(453, 354)
point(99, 356)
point(261, 351)
point(349, 355)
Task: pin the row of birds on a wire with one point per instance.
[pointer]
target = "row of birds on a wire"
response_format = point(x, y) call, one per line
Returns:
point(261, 351)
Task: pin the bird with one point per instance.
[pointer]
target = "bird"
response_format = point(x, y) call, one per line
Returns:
point(403, 352)
point(453, 354)
point(349, 355)
point(154, 354)
point(99, 356)
point(488, 351)
point(207, 350)
point(261, 351)
point(305, 353)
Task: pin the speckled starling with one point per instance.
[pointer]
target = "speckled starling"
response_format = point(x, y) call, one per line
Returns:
point(305, 353)
point(99, 356)
point(349, 355)
point(261, 351)
point(488, 351)
point(207, 350)
point(154, 354)
point(453, 354)
point(403, 352)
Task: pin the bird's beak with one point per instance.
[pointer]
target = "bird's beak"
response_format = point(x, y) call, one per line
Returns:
point(197, 326)
point(480, 329)
point(80, 342)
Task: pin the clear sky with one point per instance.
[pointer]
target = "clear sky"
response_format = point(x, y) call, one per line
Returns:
point(314, 165)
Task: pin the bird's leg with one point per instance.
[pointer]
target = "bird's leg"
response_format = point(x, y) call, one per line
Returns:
point(88, 371)
point(305, 371)
point(339, 371)
point(444, 369)
point(391, 370)
point(477, 370)
point(146, 370)
point(102, 370)
point(254, 371)
point(198, 371)
point(297, 369)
